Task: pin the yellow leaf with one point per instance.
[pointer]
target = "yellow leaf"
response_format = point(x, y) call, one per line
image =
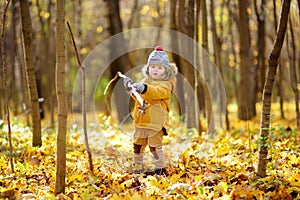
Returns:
point(175, 178)
point(295, 183)
point(20, 166)
point(225, 197)
point(3, 162)
point(115, 197)
point(127, 183)
point(181, 166)
point(76, 176)
point(136, 196)
point(163, 183)
point(222, 186)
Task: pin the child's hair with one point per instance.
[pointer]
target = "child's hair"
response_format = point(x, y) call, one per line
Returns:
point(159, 57)
point(170, 72)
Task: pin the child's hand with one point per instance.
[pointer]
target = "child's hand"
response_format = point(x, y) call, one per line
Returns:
point(128, 82)
point(139, 87)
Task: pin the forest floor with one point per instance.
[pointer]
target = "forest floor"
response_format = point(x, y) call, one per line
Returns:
point(222, 167)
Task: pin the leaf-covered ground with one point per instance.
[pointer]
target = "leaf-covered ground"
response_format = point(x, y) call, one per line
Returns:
point(198, 168)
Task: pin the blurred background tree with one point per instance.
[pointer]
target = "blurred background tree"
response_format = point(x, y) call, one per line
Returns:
point(238, 35)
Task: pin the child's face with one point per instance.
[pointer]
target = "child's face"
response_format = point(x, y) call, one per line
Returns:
point(155, 71)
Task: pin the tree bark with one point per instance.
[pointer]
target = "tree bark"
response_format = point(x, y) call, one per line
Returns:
point(61, 99)
point(30, 73)
point(246, 107)
point(267, 92)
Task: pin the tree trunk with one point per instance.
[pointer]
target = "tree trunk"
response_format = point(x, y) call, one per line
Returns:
point(233, 60)
point(280, 87)
point(51, 70)
point(261, 44)
point(61, 99)
point(281, 70)
point(202, 98)
point(198, 84)
point(78, 36)
point(267, 92)
point(5, 89)
point(134, 18)
point(176, 58)
point(13, 61)
point(293, 72)
point(246, 101)
point(47, 49)
point(28, 48)
point(25, 101)
point(217, 49)
point(298, 6)
point(78, 22)
point(122, 63)
point(1, 113)
point(2, 96)
point(187, 70)
point(208, 100)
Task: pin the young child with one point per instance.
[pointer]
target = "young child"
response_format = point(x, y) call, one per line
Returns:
point(152, 124)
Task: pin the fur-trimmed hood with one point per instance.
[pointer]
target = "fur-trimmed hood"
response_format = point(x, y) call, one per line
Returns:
point(170, 72)
point(157, 93)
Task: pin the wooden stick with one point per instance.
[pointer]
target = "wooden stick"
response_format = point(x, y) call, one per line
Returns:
point(83, 100)
point(3, 53)
point(133, 92)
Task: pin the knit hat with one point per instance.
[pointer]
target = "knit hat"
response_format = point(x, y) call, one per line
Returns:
point(158, 57)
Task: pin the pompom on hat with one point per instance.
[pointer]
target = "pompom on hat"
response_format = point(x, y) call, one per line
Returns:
point(158, 57)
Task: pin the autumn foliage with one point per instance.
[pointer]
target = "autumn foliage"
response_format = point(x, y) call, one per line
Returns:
point(222, 167)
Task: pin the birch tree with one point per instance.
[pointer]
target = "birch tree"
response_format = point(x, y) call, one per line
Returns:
point(267, 92)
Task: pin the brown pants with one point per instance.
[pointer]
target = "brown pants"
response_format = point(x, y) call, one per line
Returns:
point(144, 137)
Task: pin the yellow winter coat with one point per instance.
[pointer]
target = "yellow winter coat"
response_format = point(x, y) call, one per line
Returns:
point(158, 96)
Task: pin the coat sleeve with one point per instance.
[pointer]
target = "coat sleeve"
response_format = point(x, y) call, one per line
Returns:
point(161, 91)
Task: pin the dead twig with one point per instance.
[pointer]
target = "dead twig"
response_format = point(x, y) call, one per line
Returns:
point(3, 53)
point(83, 99)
